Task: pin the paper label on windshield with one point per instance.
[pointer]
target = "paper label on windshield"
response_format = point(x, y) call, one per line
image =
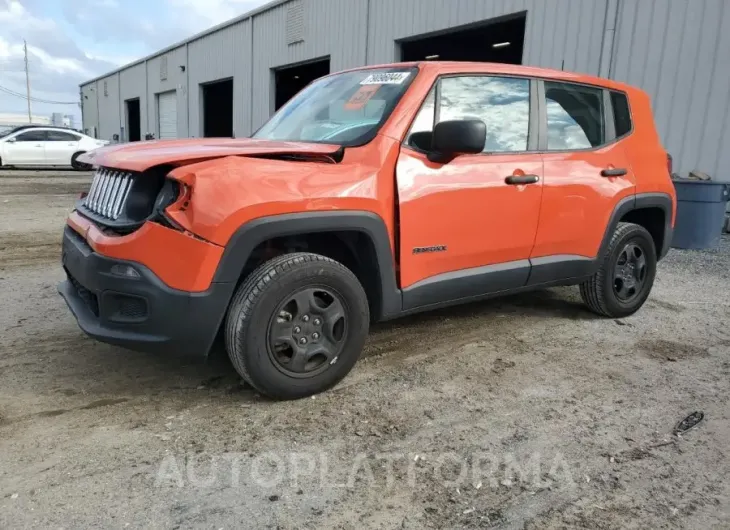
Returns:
point(360, 98)
point(386, 78)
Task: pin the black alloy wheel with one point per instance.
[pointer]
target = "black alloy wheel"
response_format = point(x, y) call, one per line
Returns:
point(629, 273)
point(625, 273)
point(307, 332)
point(297, 325)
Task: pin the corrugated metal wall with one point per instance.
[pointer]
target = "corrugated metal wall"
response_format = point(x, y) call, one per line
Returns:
point(164, 74)
point(334, 28)
point(107, 91)
point(133, 84)
point(213, 58)
point(89, 109)
point(557, 30)
point(677, 50)
point(242, 69)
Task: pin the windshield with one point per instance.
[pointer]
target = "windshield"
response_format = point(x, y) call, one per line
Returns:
point(346, 109)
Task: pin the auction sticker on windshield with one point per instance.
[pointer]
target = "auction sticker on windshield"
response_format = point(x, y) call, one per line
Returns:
point(360, 98)
point(386, 78)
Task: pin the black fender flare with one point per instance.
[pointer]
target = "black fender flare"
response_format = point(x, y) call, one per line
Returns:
point(251, 234)
point(638, 202)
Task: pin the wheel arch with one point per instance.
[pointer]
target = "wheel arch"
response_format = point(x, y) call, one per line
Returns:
point(653, 211)
point(365, 247)
point(75, 156)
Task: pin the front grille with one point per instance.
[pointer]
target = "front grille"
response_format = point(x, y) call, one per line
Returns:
point(87, 296)
point(108, 193)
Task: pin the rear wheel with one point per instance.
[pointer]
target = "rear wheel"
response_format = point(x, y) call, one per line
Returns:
point(626, 275)
point(297, 325)
point(79, 166)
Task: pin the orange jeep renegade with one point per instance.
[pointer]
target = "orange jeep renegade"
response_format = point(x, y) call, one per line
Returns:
point(372, 194)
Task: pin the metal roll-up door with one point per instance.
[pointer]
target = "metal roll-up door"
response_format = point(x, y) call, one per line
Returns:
point(167, 105)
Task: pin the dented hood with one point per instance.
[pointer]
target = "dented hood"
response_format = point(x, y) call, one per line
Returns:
point(139, 156)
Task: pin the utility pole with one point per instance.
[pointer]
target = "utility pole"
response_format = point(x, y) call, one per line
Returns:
point(27, 80)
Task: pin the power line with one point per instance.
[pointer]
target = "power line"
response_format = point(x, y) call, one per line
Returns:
point(39, 100)
point(27, 95)
point(36, 100)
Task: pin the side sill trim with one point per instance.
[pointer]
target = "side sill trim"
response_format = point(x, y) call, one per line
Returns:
point(560, 267)
point(466, 283)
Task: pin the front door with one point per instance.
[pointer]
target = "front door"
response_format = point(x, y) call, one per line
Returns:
point(27, 149)
point(60, 147)
point(467, 227)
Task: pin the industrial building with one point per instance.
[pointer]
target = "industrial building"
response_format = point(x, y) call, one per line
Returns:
point(227, 81)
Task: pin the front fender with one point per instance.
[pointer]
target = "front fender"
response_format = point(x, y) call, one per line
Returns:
point(255, 232)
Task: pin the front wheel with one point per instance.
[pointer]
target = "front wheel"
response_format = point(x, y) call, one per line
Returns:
point(626, 274)
point(297, 325)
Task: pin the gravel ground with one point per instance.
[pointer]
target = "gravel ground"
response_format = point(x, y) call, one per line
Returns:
point(525, 412)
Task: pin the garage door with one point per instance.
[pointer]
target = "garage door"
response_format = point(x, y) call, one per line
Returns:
point(167, 113)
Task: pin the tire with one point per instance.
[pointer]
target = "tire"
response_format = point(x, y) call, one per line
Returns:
point(260, 304)
point(78, 166)
point(601, 293)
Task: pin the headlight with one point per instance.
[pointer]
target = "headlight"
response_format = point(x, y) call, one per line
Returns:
point(168, 194)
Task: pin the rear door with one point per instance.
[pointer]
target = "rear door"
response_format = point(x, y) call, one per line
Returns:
point(467, 227)
point(27, 149)
point(60, 147)
point(587, 172)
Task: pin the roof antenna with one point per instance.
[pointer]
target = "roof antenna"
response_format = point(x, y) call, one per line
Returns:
point(562, 65)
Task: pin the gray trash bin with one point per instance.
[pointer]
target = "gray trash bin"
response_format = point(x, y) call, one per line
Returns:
point(700, 213)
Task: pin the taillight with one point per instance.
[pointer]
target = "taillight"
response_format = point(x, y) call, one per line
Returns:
point(670, 164)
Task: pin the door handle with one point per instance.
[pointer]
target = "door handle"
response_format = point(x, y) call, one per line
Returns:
point(516, 180)
point(38, 145)
point(614, 172)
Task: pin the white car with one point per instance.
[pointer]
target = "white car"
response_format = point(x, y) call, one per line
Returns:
point(45, 146)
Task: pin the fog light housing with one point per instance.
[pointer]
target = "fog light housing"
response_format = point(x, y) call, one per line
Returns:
point(126, 271)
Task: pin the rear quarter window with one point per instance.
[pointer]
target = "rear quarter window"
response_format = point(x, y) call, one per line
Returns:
point(621, 113)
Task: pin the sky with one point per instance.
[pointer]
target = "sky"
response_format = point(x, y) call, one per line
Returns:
point(72, 41)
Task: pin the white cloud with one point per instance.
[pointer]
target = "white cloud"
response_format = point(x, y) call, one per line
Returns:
point(114, 33)
point(117, 60)
point(201, 14)
point(56, 63)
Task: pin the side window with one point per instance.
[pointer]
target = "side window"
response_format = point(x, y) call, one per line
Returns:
point(574, 116)
point(621, 113)
point(61, 136)
point(502, 103)
point(31, 136)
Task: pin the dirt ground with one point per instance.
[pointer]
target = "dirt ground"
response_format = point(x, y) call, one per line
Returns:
point(525, 412)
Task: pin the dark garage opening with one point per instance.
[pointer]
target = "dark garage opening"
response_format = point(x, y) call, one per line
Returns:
point(134, 126)
point(290, 80)
point(499, 41)
point(218, 109)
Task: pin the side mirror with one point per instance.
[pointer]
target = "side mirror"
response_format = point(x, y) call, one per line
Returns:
point(456, 137)
point(421, 140)
point(11, 140)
